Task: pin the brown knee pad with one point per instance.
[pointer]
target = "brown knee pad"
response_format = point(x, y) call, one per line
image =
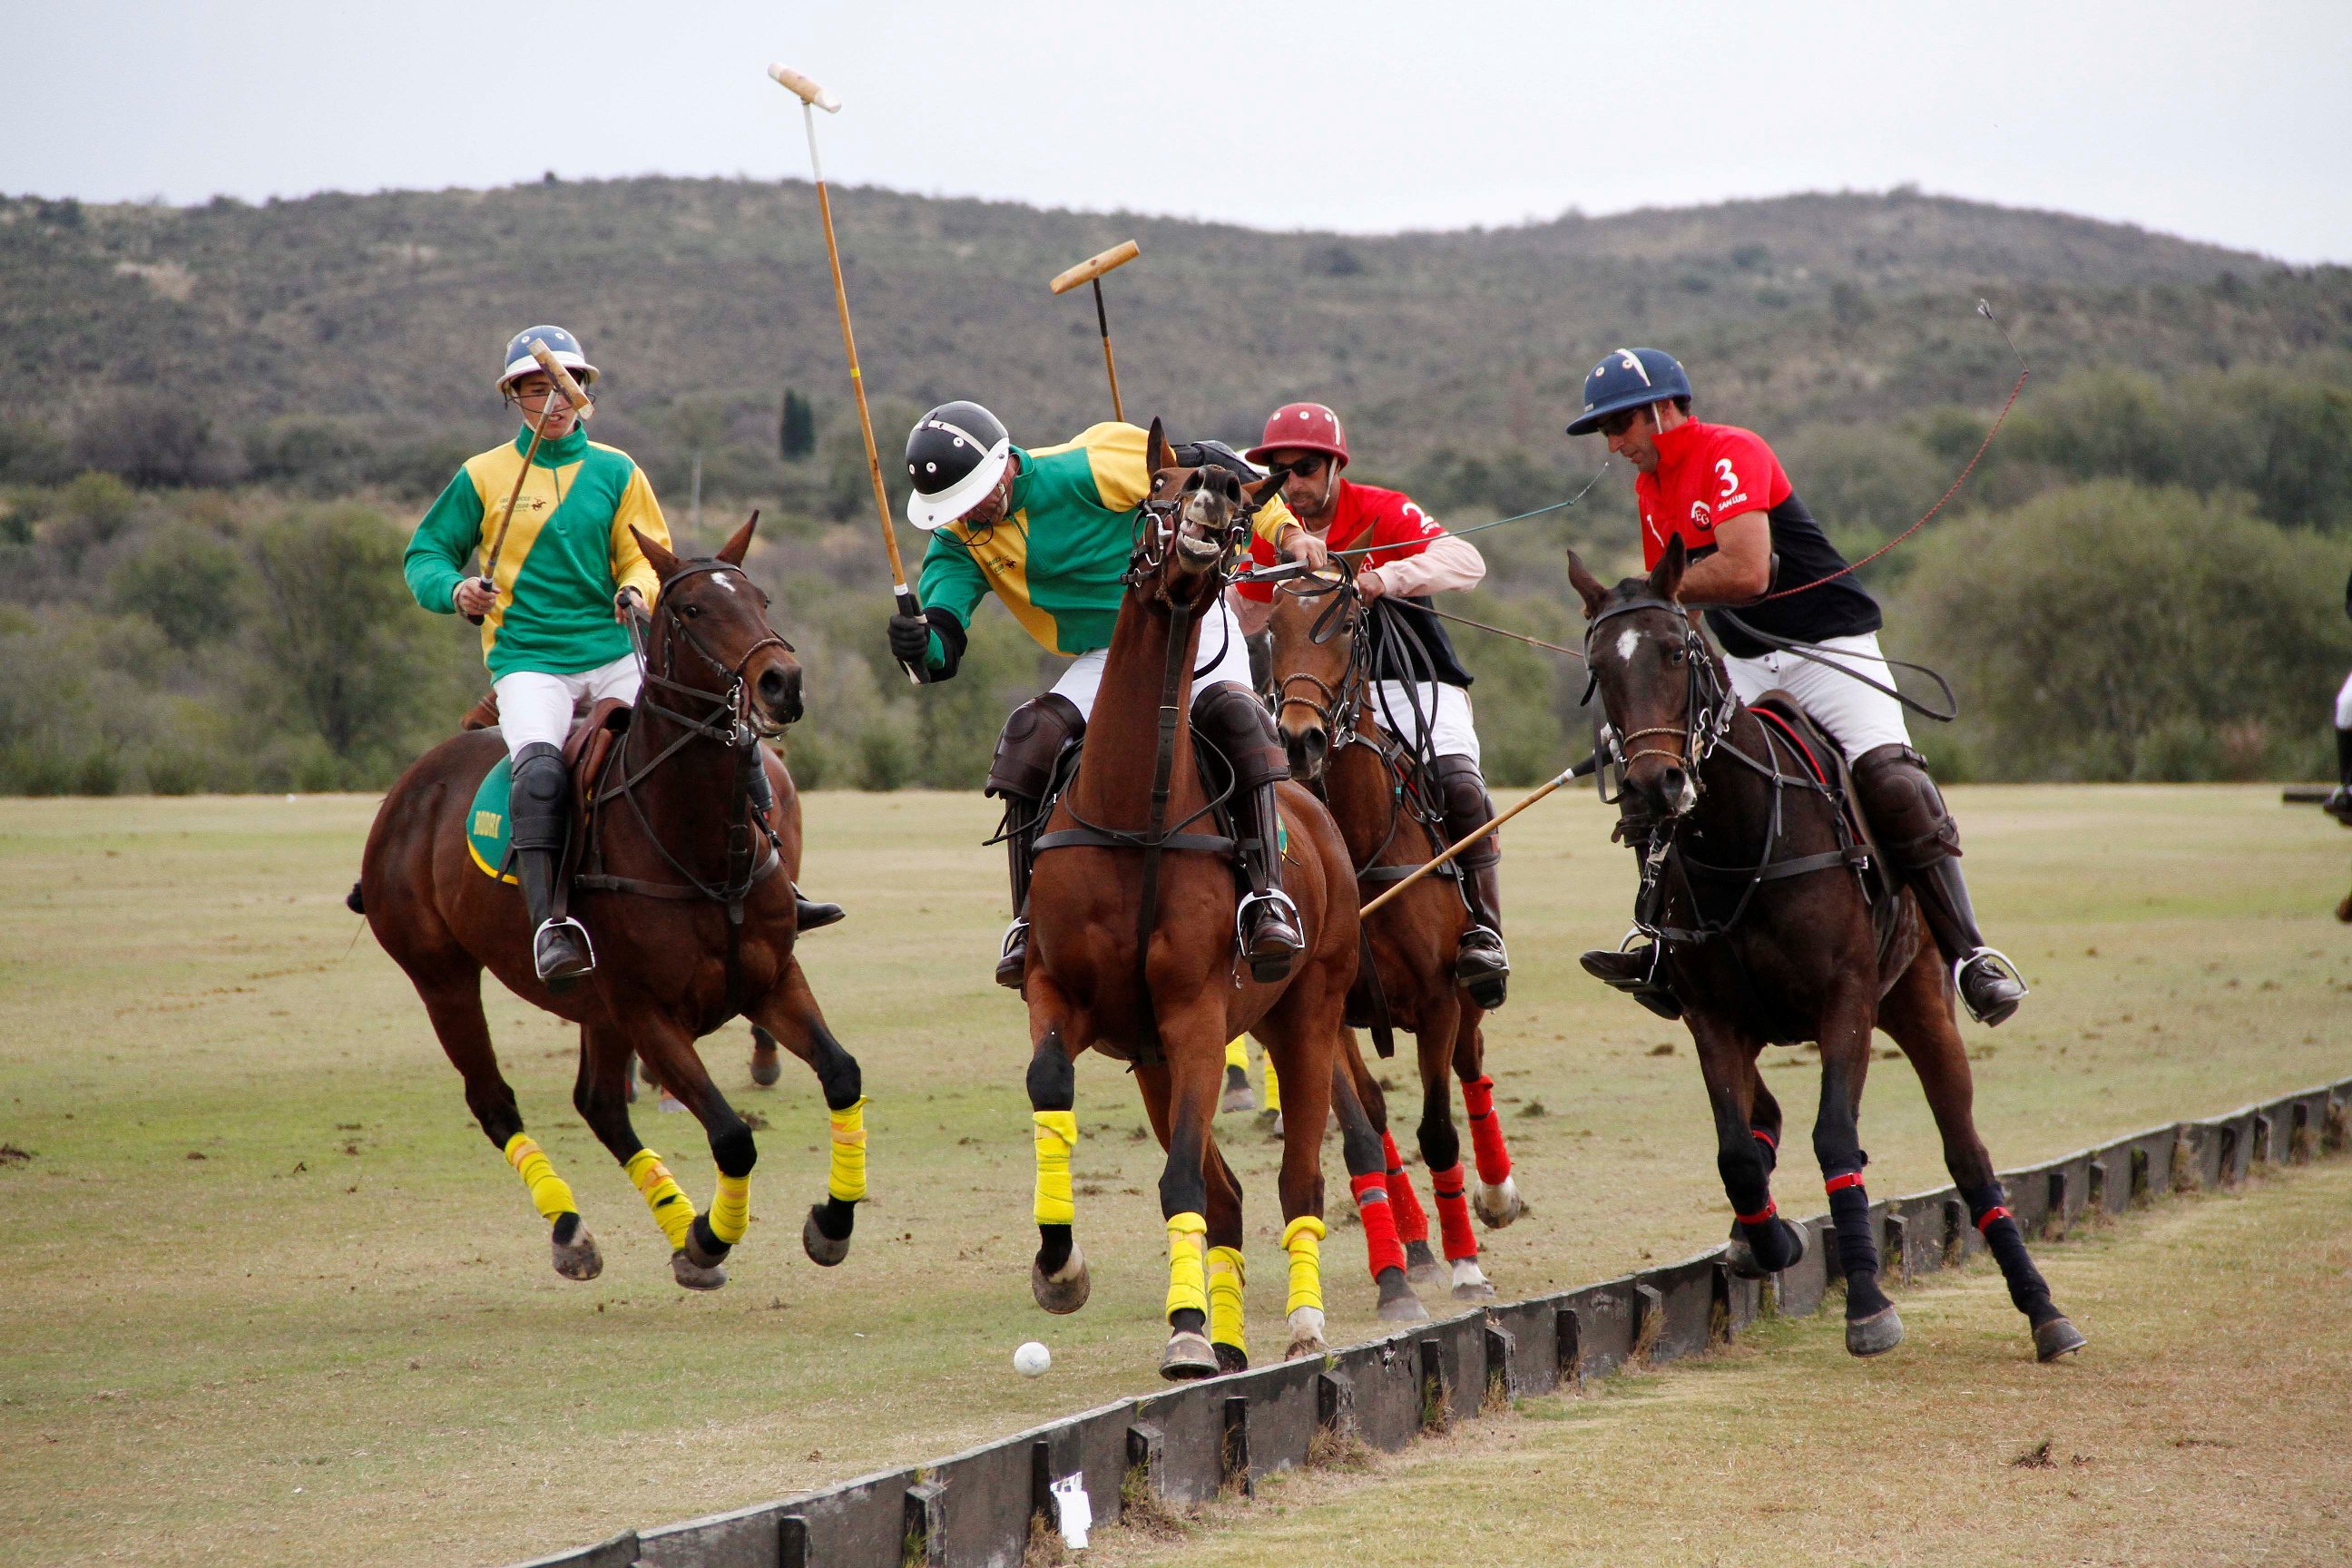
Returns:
point(1462, 796)
point(1904, 807)
point(1239, 723)
point(1033, 736)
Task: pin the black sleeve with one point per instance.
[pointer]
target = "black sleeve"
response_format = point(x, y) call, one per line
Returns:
point(953, 639)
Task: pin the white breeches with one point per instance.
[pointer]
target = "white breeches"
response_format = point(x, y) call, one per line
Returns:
point(1857, 718)
point(2344, 705)
point(1445, 709)
point(1221, 648)
point(533, 706)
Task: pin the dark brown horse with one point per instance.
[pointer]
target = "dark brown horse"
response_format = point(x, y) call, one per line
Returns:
point(1132, 951)
point(1321, 672)
point(673, 854)
point(1759, 897)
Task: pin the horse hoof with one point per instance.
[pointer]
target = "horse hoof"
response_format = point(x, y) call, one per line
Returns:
point(1305, 1334)
point(1237, 1096)
point(1874, 1335)
point(2056, 1338)
point(1741, 1258)
point(1500, 1206)
point(1232, 1358)
point(1270, 1122)
point(1397, 1302)
point(1189, 1356)
point(1422, 1268)
point(1064, 1292)
point(693, 1275)
point(1470, 1281)
point(824, 1250)
point(767, 1067)
point(576, 1256)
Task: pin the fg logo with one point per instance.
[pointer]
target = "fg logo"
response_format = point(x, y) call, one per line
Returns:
point(1702, 516)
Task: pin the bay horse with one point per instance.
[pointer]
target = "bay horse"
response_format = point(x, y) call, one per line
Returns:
point(691, 904)
point(1132, 951)
point(1757, 893)
point(1321, 667)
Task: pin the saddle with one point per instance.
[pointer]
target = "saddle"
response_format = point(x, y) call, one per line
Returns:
point(1826, 761)
point(594, 727)
point(1209, 764)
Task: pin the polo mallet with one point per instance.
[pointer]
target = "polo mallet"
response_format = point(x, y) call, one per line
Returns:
point(814, 97)
point(572, 394)
point(1090, 271)
point(1466, 842)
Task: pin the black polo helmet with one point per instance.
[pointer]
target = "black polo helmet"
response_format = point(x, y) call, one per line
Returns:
point(955, 455)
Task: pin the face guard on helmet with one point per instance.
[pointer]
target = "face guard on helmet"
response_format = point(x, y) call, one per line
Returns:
point(517, 363)
point(955, 455)
point(1302, 427)
point(1628, 378)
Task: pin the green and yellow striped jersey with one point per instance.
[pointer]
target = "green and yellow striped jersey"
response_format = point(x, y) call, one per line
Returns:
point(1057, 558)
point(568, 552)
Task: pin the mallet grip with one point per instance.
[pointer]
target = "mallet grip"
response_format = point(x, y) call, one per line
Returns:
point(1094, 267)
point(573, 391)
point(800, 87)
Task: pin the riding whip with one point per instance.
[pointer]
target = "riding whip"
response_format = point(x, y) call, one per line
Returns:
point(814, 97)
point(582, 404)
point(1090, 270)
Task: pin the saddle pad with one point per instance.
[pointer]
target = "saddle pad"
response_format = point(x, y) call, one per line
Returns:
point(488, 832)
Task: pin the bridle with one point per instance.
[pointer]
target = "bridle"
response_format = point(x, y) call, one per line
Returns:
point(729, 709)
point(1709, 704)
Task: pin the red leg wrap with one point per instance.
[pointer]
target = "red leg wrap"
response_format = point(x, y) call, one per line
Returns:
point(1454, 1214)
point(1411, 1223)
point(1493, 1155)
point(1381, 1243)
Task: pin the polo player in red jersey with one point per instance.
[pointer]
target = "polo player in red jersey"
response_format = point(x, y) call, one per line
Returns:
point(1420, 689)
point(1751, 540)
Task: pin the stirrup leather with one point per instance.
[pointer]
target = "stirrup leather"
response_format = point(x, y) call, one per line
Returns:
point(562, 924)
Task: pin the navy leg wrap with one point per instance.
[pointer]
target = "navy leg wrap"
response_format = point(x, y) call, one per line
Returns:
point(1857, 1248)
point(2006, 1241)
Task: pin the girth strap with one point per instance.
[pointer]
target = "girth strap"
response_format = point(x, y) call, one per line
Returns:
point(1100, 838)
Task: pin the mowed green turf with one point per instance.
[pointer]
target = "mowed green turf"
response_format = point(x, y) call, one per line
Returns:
point(267, 1295)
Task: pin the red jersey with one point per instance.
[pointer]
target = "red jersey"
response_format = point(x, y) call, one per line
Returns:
point(1364, 515)
point(1710, 473)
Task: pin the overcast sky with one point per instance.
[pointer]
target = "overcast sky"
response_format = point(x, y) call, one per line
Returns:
point(2229, 122)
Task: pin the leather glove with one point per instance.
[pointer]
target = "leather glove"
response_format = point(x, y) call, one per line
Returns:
point(911, 640)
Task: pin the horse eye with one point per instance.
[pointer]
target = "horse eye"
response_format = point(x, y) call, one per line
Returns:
point(689, 611)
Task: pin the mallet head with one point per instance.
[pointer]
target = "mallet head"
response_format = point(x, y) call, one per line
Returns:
point(807, 91)
point(571, 390)
point(1094, 267)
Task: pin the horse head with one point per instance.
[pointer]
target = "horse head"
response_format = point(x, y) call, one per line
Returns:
point(1316, 685)
point(710, 634)
point(1655, 677)
point(1194, 520)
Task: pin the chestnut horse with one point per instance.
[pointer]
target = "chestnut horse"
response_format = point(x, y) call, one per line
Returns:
point(1757, 894)
point(1132, 951)
point(1322, 668)
point(691, 908)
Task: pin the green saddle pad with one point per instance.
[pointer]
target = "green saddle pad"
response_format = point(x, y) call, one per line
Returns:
point(488, 833)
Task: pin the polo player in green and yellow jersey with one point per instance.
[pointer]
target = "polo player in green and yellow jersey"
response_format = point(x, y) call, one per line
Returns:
point(1049, 532)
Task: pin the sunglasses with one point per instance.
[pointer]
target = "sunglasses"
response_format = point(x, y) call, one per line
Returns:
point(1307, 468)
point(1616, 424)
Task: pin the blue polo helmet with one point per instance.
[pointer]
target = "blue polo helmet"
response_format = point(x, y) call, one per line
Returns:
point(517, 360)
point(1628, 378)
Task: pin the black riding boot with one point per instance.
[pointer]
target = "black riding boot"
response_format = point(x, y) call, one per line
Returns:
point(1021, 822)
point(2339, 804)
point(1634, 970)
point(540, 802)
point(808, 914)
point(1481, 966)
point(1266, 923)
point(1920, 840)
point(1028, 753)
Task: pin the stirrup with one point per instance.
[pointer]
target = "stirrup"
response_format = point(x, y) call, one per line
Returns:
point(1273, 966)
point(555, 926)
point(2007, 970)
point(1012, 957)
point(1482, 966)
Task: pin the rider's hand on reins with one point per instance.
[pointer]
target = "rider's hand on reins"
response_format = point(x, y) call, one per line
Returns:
point(1305, 547)
point(1369, 584)
point(628, 605)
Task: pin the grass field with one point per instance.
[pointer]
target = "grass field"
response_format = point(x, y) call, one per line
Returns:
point(2205, 1425)
point(271, 1297)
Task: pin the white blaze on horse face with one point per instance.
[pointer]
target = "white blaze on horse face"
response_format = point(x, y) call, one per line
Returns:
point(720, 578)
point(1627, 641)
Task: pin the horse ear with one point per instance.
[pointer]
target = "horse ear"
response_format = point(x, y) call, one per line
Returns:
point(1266, 489)
point(1589, 589)
point(658, 555)
point(1156, 454)
point(732, 550)
point(1666, 581)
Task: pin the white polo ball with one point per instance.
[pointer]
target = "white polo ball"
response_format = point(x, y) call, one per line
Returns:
point(1031, 1360)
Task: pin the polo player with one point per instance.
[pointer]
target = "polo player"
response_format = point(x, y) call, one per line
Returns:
point(1420, 689)
point(1049, 532)
point(1720, 489)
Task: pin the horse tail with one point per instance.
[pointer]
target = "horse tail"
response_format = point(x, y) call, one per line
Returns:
point(353, 902)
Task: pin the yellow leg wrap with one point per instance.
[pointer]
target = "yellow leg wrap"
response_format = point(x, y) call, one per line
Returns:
point(730, 1210)
point(847, 1181)
point(1273, 1087)
point(1188, 1235)
point(549, 1194)
point(673, 1210)
point(1225, 1297)
point(1237, 1052)
point(1303, 1239)
point(1057, 1138)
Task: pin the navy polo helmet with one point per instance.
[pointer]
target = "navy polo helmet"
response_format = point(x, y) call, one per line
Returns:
point(517, 360)
point(1628, 378)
